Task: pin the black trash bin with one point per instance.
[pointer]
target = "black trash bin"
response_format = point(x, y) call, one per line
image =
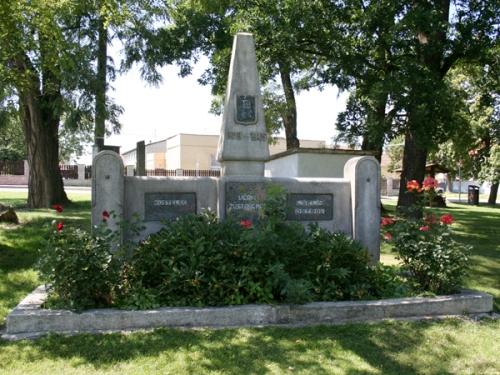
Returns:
point(473, 196)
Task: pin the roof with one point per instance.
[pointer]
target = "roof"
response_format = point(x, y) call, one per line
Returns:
point(331, 151)
point(431, 168)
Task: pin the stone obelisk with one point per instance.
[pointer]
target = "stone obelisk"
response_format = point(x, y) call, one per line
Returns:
point(243, 147)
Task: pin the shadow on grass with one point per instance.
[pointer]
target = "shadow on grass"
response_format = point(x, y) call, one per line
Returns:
point(19, 246)
point(356, 349)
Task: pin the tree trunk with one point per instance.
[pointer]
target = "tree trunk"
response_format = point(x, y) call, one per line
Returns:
point(41, 123)
point(492, 199)
point(290, 115)
point(373, 140)
point(376, 147)
point(430, 52)
point(100, 87)
point(414, 159)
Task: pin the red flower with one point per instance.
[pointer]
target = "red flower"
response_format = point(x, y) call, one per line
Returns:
point(429, 183)
point(446, 219)
point(105, 215)
point(413, 185)
point(424, 228)
point(247, 224)
point(388, 236)
point(60, 226)
point(58, 208)
point(386, 221)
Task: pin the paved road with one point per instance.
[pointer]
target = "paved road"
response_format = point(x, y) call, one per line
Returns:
point(24, 188)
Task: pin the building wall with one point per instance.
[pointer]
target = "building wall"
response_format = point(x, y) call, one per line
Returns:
point(129, 158)
point(310, 164)
point(173, 153)
point(323, 165)
point(192, 151)
point(280, 145)
point(198, 151)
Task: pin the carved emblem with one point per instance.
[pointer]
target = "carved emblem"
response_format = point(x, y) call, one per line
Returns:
point(245, 110)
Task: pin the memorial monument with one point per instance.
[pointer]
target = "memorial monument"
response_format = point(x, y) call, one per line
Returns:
point(350, 204)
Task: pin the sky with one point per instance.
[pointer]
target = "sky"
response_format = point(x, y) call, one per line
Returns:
point(181, 105)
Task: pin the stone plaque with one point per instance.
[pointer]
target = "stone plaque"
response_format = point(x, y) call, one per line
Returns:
point(310, 207)
point(244, 199)
point(168, 206)
point(245, 110)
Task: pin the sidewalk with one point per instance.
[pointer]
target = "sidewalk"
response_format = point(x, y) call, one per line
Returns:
point(22, 188)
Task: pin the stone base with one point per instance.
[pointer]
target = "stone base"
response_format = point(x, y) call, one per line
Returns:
point(242, 168)
point(28, 319)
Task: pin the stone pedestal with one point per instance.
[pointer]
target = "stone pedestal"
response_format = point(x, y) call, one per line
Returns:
point(242, 168)
point(243, 147)
point(107, 188)
point(364, 176)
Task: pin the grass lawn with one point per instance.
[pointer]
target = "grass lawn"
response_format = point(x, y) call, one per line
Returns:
point(433, 347)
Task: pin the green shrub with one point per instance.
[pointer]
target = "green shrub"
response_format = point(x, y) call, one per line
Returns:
point(200, 261)
point(430, 256)
point(80, 269)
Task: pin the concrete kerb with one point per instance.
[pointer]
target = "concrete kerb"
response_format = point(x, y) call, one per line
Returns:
point(29, 320)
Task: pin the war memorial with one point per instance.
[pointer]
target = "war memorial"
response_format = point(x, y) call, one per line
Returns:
point(350, 204)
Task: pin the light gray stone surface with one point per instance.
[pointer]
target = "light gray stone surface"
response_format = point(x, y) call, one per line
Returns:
point(243, 141)
point(28, 319)
point(129, 170)
point(307, 163)
point(205, 189)
point(287, 166)
point(364, 175)
point(340, 189)
point(107, 187)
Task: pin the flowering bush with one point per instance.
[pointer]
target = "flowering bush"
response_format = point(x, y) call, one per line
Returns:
point(430, 256)
point(81, 269)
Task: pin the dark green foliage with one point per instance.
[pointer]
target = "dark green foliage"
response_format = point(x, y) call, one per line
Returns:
point(198, 260)
point(81, 269)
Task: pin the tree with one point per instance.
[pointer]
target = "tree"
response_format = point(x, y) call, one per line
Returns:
point(367, 61)
point(207, 28)
point(491, 172)
point(409, 47)
point(12, 146)
point(34, 54)
point(47, 68)
point(474, 148)
point(130, 22)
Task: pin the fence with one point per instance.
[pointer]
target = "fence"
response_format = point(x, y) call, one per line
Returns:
point(182, 172)
point(88, 172)
point(69, 172)
point(16, 173)
point(159, 172)
point(12, 167)
point(201, 173)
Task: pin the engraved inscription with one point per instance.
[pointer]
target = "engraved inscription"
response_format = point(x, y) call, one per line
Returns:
point(245, 109)
point(254, 137)
point(310, 207)
point(244, 200)
point(168, 206)
point(234, 135)
point(259, 137)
